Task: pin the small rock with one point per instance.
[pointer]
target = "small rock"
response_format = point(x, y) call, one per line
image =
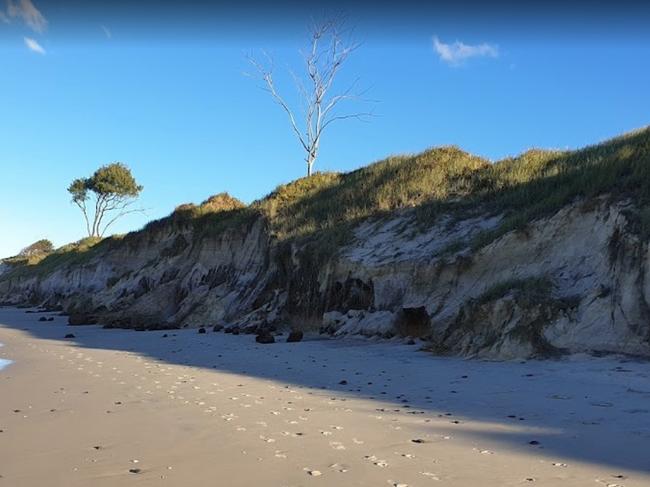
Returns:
point(315, 473)
point(343, 383)
point(201, 330)
point(217, 328)
point(265, 337)
point(135, 470)
point(70, 335)
point(411, 342)
point(533, 442)
point(42, 318)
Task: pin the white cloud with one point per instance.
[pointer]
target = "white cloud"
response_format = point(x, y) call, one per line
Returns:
point(4, 18)
point(26, 10)
point(458, 52)
point(107, 31)
point(32, 45)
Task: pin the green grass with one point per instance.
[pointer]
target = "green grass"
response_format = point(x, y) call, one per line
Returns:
point(321, 211)
point(67, 255)
point(531, 289)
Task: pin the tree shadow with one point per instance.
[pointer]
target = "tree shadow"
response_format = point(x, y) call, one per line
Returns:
point(588, 410)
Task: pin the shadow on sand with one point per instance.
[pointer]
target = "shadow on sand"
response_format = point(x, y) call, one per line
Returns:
point(580, 409)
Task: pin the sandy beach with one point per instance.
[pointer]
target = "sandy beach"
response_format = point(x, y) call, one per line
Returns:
point(178, 408)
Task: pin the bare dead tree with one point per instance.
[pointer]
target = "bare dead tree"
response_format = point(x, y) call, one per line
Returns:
point(329, 48)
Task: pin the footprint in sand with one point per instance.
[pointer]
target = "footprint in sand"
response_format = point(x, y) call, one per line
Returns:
point(430, 475)
point(339, 468)
point(405, 455)
point(337, 445)
point(484, 452)
point(375, 461)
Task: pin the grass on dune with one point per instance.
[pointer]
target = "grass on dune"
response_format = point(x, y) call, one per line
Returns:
point(324, 208)
point(67, 255)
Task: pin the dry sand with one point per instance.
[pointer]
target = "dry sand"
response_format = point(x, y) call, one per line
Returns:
point(177, 408)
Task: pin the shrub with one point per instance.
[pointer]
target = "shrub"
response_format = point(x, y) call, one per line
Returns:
point(43, 246)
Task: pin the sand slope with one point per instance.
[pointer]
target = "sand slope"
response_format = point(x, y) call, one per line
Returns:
point(215, 409)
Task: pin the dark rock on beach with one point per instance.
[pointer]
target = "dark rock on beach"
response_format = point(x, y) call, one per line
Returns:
point(295, 336)
point(265, 337)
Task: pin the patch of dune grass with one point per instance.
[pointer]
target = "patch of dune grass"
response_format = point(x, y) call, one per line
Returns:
point(323, 209)
point(67, 255)
point(533, 288)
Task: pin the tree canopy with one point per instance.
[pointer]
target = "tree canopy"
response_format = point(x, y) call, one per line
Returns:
point(105, 197)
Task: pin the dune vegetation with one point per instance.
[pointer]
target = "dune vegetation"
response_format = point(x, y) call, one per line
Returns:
point(323, 209)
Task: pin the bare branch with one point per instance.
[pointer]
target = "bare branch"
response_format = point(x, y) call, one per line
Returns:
point(120, 215)
point(267, 77)
point(328, 50)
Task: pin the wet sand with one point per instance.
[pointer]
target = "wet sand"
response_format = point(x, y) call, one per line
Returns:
point(178, 408)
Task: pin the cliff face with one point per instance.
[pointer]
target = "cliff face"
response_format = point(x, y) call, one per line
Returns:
point(570, 282)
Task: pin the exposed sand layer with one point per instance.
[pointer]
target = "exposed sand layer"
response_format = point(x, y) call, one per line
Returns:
point(177, 408)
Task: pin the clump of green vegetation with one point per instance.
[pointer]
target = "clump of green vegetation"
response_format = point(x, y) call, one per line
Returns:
point(32, 254)
point(214, 204)
point(70, 254)
point(538, 184)
point(531, 289)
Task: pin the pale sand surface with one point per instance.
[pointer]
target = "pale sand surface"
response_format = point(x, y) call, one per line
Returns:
point(220, 410)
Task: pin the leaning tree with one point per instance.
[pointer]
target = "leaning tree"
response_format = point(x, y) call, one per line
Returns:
point(329, 48)
point(105, 197)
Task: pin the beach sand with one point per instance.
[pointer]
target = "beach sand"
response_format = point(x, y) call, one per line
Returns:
point(178, 408)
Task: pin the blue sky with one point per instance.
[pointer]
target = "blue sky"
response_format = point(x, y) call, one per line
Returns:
point(169, 98)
